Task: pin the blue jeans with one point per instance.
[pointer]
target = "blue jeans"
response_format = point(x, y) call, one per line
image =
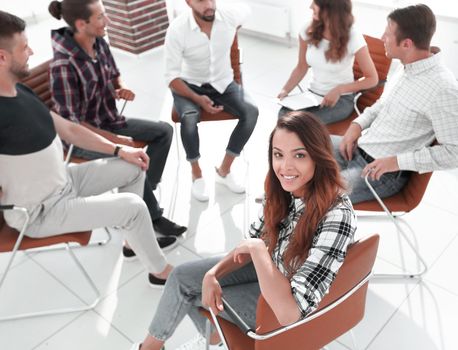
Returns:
point(342, 110)
point(158, 136)
point(388, 185)
point(183, 293)
point(234, 100)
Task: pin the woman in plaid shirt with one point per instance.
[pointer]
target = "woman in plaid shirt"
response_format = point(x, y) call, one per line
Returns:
point(294, 250)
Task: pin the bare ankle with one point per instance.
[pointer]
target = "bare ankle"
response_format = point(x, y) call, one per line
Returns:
point(165, 273)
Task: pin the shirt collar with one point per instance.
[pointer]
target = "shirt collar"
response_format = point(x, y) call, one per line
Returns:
point(297, 203)
point(420, 66)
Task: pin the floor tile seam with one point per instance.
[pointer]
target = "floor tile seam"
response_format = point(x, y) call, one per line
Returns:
point(78, 315)
point(112, 325)
point(436, 261)
point(23, 260)
point(391, 317)
point(445, 289)
point(103, 297)
point(58, 280)
point(341, 343)
point(441, 208)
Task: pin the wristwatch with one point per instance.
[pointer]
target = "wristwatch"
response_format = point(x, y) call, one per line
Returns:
point(116, 150)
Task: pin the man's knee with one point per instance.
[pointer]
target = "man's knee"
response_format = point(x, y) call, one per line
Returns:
point(131, 202)
point(251, 112)
point(189, 119)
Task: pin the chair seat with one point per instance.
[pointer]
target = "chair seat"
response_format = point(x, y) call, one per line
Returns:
point(405, 200)
point(9, 236)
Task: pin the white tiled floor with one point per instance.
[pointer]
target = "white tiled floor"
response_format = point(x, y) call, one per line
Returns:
point(417, 315)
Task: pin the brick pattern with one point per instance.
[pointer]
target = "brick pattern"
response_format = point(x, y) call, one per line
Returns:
point(136, 25)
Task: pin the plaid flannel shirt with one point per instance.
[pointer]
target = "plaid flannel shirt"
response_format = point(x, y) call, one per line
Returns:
point(329, 247)
point(82, 88)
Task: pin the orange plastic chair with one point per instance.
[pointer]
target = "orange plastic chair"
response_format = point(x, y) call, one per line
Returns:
point(368, 97)
point(339, 311)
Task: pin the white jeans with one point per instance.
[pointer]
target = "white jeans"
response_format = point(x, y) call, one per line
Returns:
point(84, 205)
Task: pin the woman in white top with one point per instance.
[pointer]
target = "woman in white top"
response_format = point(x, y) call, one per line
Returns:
point(329, 45)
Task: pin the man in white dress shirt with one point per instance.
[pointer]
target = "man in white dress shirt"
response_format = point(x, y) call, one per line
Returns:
point(395, 136)
point(199, 73)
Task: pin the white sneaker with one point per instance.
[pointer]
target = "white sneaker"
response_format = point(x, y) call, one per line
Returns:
point(199, 190)
point(229, 182)
point(199, 343)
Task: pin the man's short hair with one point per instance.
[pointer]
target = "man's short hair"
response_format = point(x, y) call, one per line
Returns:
point(9, 25)
point(417, 23)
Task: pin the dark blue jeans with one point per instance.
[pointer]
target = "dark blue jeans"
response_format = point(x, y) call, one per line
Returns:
point(158, 136)
point(234, 100)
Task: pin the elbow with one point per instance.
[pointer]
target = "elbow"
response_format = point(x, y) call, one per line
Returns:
point(287, 317)
point(372, 80)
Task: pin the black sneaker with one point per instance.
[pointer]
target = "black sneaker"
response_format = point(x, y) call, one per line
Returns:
point(167, 243)
point(155, 282)
point(128, 254)
point(168, 228)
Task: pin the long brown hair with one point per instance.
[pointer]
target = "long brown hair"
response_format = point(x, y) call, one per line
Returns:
point(322, 192)
point(337, 14)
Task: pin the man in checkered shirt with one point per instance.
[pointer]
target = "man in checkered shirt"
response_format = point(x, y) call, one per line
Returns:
point(395, 136)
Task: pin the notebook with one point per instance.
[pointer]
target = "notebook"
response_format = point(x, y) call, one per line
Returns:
point(303, 100)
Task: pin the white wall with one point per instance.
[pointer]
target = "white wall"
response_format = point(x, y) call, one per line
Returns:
point(371, 19)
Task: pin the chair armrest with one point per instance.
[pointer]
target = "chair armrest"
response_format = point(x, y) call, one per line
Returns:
point(252, 334)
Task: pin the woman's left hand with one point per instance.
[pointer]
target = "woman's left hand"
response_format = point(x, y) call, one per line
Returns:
point(331, 98)
point(242, 254)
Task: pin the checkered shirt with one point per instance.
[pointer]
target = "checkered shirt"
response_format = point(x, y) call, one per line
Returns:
point(329, 247)
point(420, 106)
point(82, 88)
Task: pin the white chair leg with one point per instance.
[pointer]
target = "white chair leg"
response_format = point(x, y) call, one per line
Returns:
point(416, 274)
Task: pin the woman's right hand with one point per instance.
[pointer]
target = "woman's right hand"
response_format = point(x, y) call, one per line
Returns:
point(212, 293)
point(283, 93)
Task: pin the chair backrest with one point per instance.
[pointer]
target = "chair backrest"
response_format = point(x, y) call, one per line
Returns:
point(369, 97)
point(9, 236)
point(405, 200)
point(38, 81)
point(382, 65)
point(324, 329)
point(235, 63)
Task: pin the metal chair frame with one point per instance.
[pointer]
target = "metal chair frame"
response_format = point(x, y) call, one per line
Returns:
point(252, 334)
point(392, 216)
point(41, 249)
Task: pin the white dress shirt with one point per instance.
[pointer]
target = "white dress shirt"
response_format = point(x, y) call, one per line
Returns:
point(419, 107)
point(192, 56)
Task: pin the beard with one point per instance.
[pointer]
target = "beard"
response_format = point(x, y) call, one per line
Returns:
point(208, 16)
point(20, 72)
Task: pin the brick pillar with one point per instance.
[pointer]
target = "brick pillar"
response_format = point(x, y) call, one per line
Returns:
point(136, 25)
